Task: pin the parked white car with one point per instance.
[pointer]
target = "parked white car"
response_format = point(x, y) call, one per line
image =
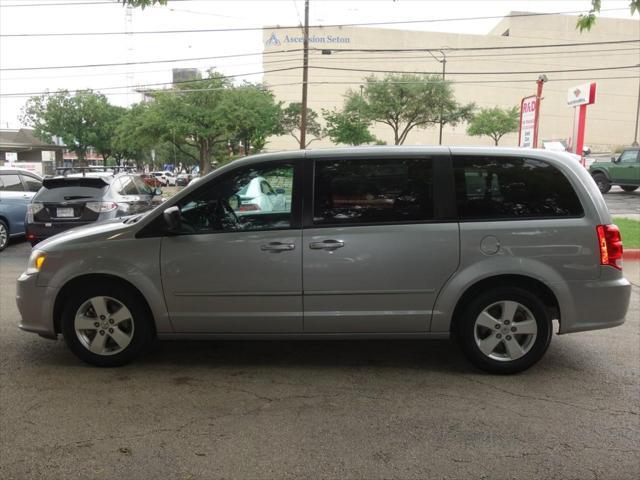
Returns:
point(259, 196)
point(166, 178)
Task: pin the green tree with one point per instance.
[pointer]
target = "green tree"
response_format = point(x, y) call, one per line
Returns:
point(77, 119)
point(290, 123)
point(585, 22)
point(254, 115)
point(143, 3)
point(105, 134)
point(347, 127)
point(193, 117)
point(406, 101)
point(494, 122)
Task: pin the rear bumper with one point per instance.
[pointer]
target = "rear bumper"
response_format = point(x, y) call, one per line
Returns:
point(35, 304)
point(595, 305)
point(36, 232)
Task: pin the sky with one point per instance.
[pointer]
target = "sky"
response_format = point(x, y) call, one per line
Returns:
point(67, 16)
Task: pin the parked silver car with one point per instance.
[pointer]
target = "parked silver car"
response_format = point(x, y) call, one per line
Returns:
point(487, 245)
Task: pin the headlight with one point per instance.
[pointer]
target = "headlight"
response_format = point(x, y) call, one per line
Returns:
point(36, 260)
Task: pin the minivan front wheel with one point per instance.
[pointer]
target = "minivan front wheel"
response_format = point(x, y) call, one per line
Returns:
point(106, 325)
point(505, 330)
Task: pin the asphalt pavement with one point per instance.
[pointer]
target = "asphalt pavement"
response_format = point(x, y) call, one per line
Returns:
point(351, 409)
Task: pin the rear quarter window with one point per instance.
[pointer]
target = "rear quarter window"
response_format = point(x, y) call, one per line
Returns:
point(489, 188)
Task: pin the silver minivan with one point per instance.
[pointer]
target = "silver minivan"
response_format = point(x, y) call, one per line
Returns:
point(486, 245)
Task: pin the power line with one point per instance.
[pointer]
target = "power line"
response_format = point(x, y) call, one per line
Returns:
point(147, 62)
point(159, 84)
point(345, 82)
point(287, 51)
point(610, 53)
point(499, 47)
point(290, 27)
point(500, 72)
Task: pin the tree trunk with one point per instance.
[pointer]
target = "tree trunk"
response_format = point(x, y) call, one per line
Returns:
point(82, 160)
point(496, 140)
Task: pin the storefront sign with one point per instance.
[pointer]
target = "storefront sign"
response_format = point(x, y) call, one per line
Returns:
point(527, 121)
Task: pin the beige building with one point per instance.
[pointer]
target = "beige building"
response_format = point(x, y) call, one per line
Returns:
point(475, 73)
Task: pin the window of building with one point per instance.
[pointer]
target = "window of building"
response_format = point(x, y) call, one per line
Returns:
point(380, 190)
point(504, 187)
point(249, 199)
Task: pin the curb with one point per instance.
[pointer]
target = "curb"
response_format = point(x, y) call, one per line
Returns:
point(631, 254)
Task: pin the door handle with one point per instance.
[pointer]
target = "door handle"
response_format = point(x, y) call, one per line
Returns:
point(326, 245)
point(277, 247)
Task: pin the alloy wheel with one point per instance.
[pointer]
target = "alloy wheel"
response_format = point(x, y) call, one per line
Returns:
point(505, 331)
point(4, 236)
point(104, 325)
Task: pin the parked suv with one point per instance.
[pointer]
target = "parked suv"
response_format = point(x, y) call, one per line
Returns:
point(73, 201)
point(623, 170)
point(486, 245)
point(17, 187)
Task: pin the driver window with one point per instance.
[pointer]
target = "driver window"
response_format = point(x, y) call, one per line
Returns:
point(628, 157)
point(252, 198)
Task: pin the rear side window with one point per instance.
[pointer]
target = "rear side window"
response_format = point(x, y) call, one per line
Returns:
point(33, 184)
point(11, 183)
point(143, 187)
point(366, 191)
point(125, 186)
point(511, 188)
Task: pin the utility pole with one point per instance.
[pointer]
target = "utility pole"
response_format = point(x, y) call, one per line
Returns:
point(443, 61)
point(635, 138)
point(305, 78)
point(444, 70)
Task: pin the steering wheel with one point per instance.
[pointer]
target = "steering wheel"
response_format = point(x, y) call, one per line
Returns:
point(228, 218)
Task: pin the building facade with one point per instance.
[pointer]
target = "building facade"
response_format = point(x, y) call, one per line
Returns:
point(477, 75)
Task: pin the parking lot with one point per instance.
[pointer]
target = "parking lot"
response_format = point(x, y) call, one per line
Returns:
point(356, 409)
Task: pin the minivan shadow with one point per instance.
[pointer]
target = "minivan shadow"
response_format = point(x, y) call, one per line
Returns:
point(429, 355)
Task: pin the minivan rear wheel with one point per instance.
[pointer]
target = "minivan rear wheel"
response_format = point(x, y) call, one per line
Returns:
point(106, 325)
point(629, 188)
point(505, 330)
point(603, 183)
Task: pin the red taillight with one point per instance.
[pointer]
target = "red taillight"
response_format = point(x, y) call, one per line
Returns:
point(30, 236)
point(610, 243)
point(248, 207)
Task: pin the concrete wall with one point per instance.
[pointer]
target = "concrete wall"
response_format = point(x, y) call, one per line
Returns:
point(610, 122)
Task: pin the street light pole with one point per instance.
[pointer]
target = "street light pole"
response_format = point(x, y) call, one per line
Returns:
point(536, 118)
point(305, 78)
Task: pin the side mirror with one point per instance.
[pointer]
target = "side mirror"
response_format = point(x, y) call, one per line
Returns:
point(172, 218)
point(614, 159)
point(157, 191)
point(280, 191)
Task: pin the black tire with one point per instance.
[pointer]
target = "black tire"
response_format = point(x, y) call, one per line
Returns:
point(142, 333)
point(4, 235)
point(466, 325)
point(628, 188)
point(604, 185)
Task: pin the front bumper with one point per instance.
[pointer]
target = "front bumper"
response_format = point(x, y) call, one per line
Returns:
point(35, 304)
point(596, 304)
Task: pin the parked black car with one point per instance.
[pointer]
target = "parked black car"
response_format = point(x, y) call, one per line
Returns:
point(66, 202)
